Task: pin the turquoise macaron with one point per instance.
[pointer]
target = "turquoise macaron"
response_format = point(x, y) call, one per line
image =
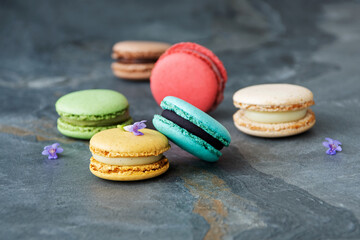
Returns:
point(87, 112)
point(191, 129)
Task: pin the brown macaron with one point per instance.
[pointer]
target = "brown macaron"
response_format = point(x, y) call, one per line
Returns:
point(136, 59)
point(274, 110)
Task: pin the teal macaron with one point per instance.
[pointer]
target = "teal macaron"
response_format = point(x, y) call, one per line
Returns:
point(87, 112)
point(191, 129)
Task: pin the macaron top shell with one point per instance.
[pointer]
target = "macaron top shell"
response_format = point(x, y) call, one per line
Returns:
point(273, 97)
point(117, 142)
point(197, 117)
point(139, 49)
point(205, 54)
point(91, 102)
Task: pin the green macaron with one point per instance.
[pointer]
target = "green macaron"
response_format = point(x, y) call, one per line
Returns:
point(87, 112)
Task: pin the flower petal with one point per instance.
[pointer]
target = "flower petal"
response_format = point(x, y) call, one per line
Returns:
point(134, 128)
point(137, 133)
point(336, 142)
point(329, 140)
point(330, 152)
point(141, 125)
point(55, 145)
point(338, 148)
point(47, 147)
point(59, 150)
point(45, 152)
point(128, 128)
point(326, 144)
point(51, 157)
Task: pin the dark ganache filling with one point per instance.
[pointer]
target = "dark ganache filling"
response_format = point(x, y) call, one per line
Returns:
point(192, 128)
point(138, 60)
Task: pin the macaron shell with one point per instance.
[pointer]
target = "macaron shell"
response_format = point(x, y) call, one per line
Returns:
point(139, 71)
point(206, 54)
point(128, 173)
point(197, 117)
point(187, 77)
point(273, 130)
point(186, 140)
point(273, 97)
point(117, 142)
point(81, 132)
point(182, 79)
point(139, 49)
point(91, 102)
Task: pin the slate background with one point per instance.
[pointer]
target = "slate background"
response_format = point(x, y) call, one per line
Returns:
point(260, 189)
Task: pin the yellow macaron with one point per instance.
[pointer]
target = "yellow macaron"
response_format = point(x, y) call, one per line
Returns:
point(119, 155)
point(274, 110)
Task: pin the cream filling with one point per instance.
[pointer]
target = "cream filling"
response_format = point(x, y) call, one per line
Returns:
point(127, 161)
point(275, 117)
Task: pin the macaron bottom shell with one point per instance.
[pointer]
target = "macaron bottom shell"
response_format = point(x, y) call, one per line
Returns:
point(138, 72)
point(128, 173)
point(273, 130)
point(82, 132)
point(186, 140)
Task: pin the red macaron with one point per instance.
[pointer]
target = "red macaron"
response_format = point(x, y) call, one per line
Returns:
point(191, 72)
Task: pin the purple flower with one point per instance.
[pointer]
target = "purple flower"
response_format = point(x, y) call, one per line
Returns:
point(333, 145)
point(136, 127)
point(52, 150)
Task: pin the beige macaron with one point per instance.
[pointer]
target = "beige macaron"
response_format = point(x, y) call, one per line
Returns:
point(274, 110)
point(136, 59)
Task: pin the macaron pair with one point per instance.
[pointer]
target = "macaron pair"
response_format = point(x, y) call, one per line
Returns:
point(192, 129)
point(87, 112)
point(274, 110)
point(191, 72)
point(119, 155)
point(136, 59)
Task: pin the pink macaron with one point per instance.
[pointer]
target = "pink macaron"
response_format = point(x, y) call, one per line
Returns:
point(191, 72)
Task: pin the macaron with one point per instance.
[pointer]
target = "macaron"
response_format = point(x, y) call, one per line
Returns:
point(192, 129)
point(191, 72)
point(274, 110)
point(119, 155)
point(136, 59)
point(84, 113)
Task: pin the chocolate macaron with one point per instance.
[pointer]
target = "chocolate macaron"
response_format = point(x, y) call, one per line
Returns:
point(274, 110)
point(136, 59)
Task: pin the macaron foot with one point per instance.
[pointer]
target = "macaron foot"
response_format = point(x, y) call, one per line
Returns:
point(273, 130)
point(128, 173)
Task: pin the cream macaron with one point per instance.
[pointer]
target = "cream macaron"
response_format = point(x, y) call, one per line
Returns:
point(274, 110)
point(119, 155)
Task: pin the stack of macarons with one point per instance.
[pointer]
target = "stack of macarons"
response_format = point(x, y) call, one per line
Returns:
point(87, 112)
point(274, 110)
point(136, 59)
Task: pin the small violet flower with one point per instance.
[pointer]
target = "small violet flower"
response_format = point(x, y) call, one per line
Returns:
point(136, 127)
point(333, 145)
point(52, 150)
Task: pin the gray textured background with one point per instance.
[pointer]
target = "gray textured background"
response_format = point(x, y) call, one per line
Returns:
point(260, 189)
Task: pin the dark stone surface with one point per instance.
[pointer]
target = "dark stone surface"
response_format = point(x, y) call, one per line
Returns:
point(260, 189)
